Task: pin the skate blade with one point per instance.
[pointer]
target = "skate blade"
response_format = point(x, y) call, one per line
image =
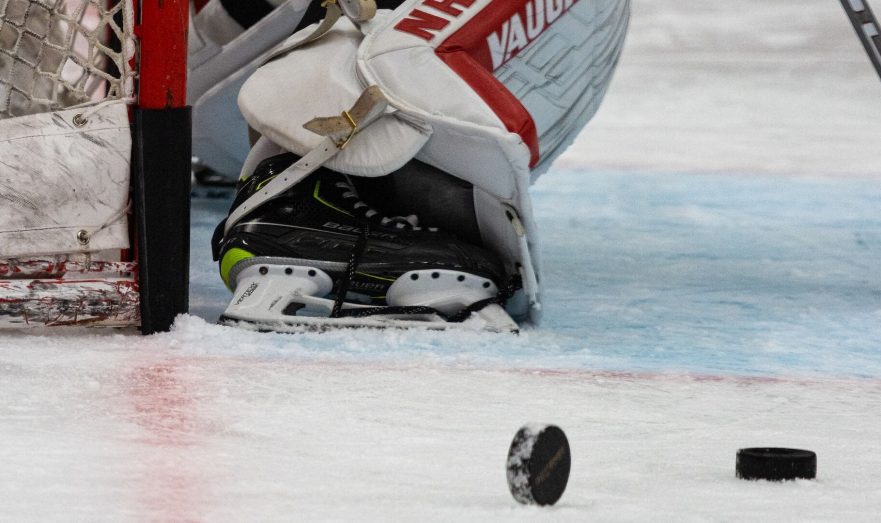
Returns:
point(307, 324)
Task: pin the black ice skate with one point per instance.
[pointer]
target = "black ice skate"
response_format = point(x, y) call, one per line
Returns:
point(317, 257)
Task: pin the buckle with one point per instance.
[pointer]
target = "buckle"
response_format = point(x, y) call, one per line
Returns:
point(343, 144)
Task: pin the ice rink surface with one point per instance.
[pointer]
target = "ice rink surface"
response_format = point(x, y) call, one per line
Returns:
point(711, 249)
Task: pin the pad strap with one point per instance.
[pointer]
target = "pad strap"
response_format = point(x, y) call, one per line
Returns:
point(370, 106)
point(338, 132)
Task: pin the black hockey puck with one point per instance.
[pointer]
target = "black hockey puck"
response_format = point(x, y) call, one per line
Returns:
point(776, 464)
point(538, 464)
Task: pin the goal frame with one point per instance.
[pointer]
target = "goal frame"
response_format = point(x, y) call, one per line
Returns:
point(149, 286)
point(161, 162)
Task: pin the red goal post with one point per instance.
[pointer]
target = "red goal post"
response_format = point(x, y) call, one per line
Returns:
point(161, 27)
point(94, 189)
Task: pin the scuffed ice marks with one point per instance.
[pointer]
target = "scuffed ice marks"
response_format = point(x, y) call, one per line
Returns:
point(392, 346)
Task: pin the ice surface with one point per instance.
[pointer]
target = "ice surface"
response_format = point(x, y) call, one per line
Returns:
point(716, 306)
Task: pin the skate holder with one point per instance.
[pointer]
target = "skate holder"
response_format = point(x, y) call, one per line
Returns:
point(444, 290)
point(450, 292)
point(265, 292)
point(292, 298)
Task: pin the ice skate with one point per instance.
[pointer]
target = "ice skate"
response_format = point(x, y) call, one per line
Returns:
point(319, 257)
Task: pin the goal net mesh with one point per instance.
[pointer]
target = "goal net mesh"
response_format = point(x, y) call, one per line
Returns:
point(61, 53)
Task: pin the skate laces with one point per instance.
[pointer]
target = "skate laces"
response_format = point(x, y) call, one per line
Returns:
point(369, 214)
point(350, 193)
point(345, 282)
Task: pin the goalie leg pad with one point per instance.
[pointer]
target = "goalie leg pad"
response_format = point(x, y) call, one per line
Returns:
point(489, 91)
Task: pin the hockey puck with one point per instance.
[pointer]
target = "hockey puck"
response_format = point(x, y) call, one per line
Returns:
point(538, 464)
point(776, 464)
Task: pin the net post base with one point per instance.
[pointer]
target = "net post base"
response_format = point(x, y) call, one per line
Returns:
point(161, 179)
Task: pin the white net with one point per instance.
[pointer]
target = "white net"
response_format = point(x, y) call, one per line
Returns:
point(60, 53)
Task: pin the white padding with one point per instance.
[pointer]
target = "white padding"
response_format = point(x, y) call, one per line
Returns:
point(290, 91)
point(214, 23)
point(57, 179)
point(469, 140)
point(217, 72)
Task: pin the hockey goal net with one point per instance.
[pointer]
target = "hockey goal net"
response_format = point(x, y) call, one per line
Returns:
point(94, 162)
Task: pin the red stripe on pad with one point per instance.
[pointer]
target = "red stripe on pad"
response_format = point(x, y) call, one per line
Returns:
point(467, 53)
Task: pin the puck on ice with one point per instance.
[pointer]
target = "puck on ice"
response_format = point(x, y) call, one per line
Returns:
point(776, 464)
point(538, 464)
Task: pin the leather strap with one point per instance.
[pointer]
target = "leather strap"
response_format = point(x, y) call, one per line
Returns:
point(359, 11)
point(370, 106)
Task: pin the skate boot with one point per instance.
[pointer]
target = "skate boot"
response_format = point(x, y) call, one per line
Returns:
point(318, 257)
